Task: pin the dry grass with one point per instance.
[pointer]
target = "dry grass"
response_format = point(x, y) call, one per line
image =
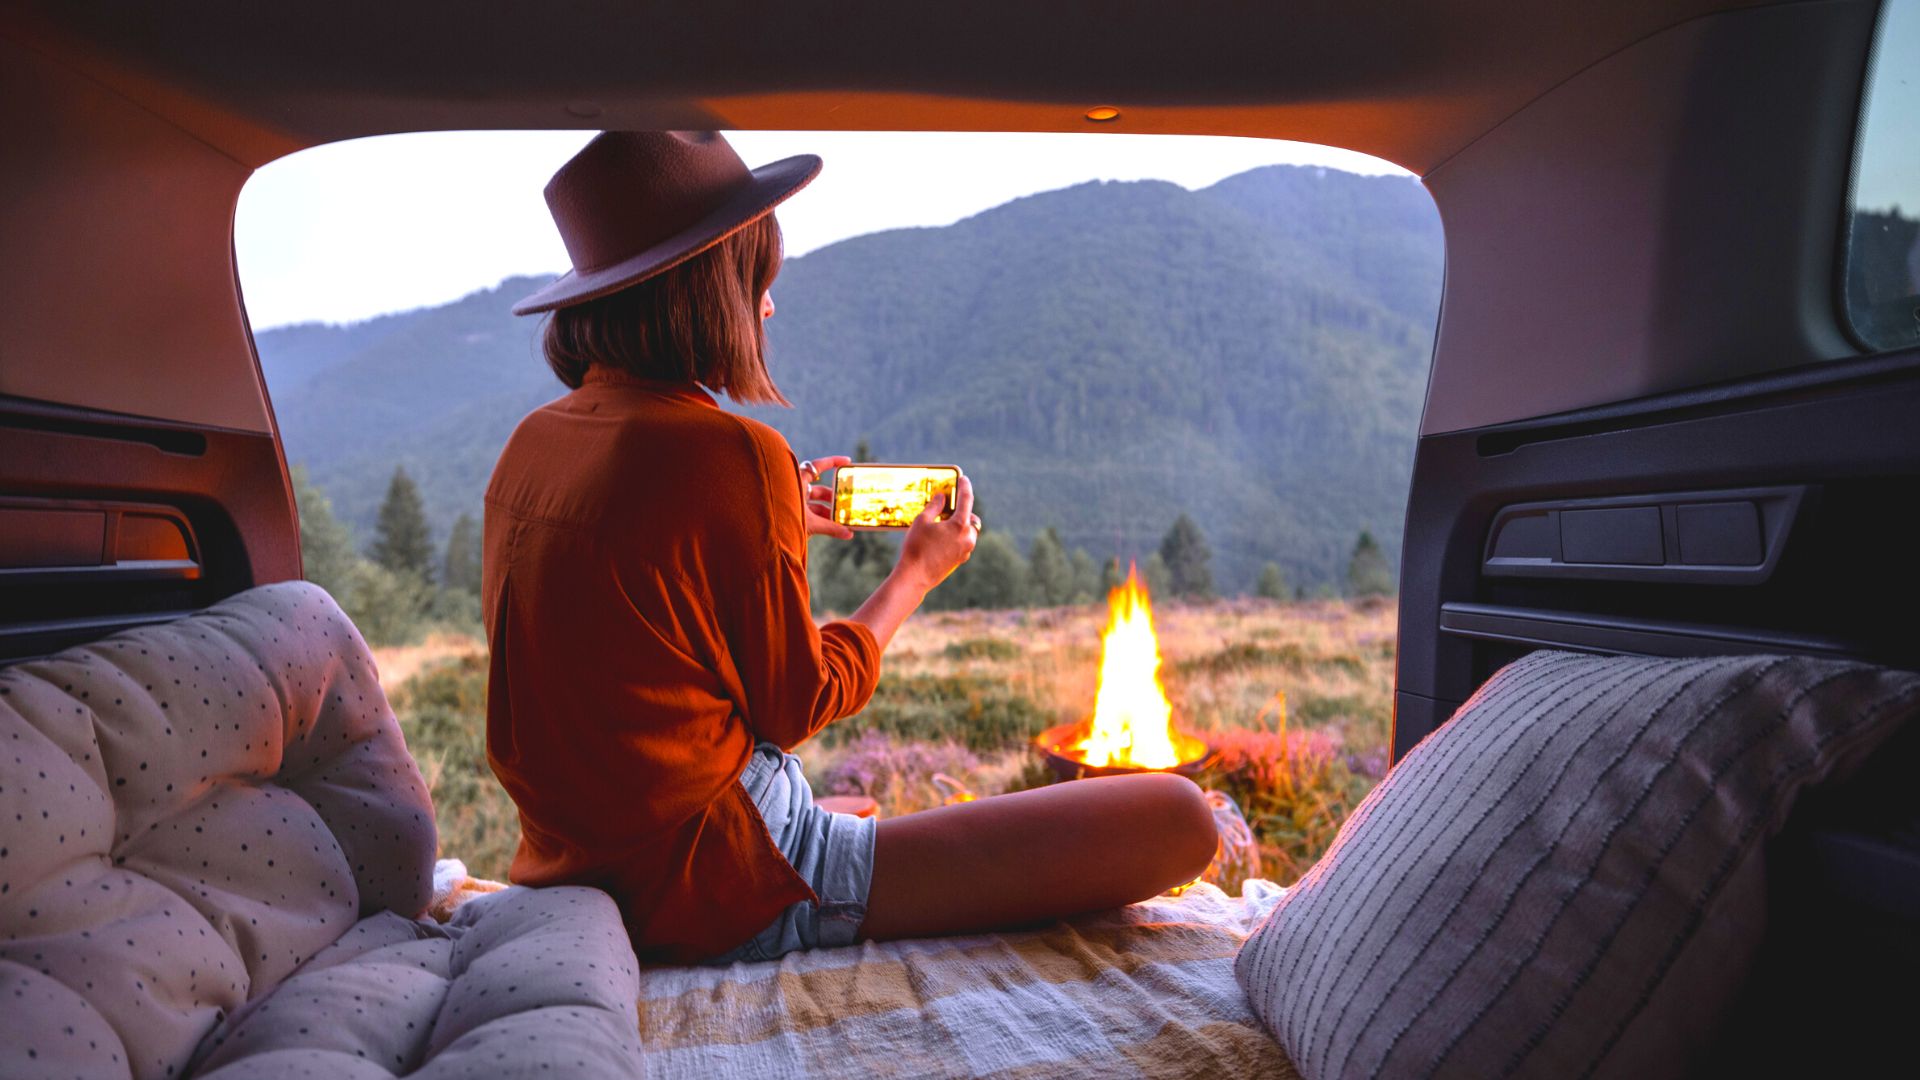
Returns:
point(400, 663)
point(1294, 697)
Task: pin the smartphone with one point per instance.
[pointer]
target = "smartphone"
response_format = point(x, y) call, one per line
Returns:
point(868, 496)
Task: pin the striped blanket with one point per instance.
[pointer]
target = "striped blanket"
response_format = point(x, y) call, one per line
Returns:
point(1147, 991)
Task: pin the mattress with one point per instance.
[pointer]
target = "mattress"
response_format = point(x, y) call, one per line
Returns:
point(1146, 991)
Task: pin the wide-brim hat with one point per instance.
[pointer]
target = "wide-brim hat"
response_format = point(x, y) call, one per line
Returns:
point(632, 204)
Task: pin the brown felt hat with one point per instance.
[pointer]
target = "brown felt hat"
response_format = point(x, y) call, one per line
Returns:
point(632, 204)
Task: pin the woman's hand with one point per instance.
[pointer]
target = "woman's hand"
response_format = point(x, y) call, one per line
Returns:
point(931, 551)
point(819, 498)
point(934, 548)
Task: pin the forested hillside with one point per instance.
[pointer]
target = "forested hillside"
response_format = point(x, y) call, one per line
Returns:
point(1100, 359)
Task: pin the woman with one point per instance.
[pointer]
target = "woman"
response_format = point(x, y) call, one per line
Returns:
point(653, 656)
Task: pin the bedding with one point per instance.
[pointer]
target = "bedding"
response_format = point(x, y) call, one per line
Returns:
point(1146, 991)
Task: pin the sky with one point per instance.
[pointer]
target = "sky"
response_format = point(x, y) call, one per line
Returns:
point(348, 231)
point(1890, 156)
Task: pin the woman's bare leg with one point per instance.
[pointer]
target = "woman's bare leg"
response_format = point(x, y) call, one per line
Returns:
point(1032, 856)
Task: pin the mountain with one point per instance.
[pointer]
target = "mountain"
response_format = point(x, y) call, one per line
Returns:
point(1098, 358)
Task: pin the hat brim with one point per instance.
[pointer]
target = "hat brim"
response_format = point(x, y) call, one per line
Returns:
point(771, 185)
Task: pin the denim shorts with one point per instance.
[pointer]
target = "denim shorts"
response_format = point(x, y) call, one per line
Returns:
point(832, 852)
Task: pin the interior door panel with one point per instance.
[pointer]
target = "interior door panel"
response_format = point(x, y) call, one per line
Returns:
point(109, 521)
point(1798, 496)
point(1823, 461)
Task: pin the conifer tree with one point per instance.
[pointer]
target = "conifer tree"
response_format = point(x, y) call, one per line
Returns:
point(1086, 577)
point(402, 542)
point(1272, 584)
point(1112, 576)
point(326, 547)
point(1049, 572)
point(1367, 571)
point(1188, 559)
point(462, 567)
point(836, 581)
point(1154, 573)
point(994, 577)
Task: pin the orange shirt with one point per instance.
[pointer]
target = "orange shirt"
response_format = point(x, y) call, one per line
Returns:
point(645, 595)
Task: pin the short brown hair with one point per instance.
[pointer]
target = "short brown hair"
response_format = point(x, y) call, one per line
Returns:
point(698, 322)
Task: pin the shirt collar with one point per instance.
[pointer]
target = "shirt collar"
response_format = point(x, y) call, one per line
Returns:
point(602, 375)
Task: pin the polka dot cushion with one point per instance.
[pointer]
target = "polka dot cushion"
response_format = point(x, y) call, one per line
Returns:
point(188, 812)
point(522, 982)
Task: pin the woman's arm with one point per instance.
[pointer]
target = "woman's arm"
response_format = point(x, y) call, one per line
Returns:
point(932, 550)
point(796, 678)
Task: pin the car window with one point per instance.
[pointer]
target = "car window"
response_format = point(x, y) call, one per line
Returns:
point(1883, 248)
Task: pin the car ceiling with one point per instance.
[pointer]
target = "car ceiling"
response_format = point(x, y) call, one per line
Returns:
point(1408, 82)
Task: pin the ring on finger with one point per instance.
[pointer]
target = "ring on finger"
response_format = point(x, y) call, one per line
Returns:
point(807, 470)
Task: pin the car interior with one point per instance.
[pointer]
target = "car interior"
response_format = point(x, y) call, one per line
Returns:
point(1665, 417)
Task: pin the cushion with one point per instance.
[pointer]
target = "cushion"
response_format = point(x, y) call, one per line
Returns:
point(520, 982)
point(1567, 877)
point(191, 811)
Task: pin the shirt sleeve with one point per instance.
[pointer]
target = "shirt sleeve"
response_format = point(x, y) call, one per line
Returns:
point(797, 677)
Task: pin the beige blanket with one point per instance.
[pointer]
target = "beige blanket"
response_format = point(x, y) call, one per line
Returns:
point(1145, 991)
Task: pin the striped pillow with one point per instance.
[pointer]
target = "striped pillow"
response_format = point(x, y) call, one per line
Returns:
point(1568, 877)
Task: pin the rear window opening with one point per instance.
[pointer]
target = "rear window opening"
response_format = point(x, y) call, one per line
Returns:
point(1882, 278)
point(1199, 359)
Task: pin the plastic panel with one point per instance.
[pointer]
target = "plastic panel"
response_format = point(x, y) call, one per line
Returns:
point(1716, 537)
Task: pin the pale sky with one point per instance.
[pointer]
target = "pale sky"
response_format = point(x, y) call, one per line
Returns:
point(347, 231)
point(1890, 159)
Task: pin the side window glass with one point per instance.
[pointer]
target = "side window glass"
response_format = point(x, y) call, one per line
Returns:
point(1883, 245)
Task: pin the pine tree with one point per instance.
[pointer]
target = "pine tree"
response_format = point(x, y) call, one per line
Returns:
point(387, 607)
point(1112, 576)
point(402, 542)
point(462, 567)
point(1367, 571)
point(326, 547)
point(1188, 559)
point(1272, 584)
point(1154, 573)
point(994, 577)
point(1049, 573)
point(1086, 577)
point(836, 580)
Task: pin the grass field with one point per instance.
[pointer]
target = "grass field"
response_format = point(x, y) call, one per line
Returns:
point(1294, 698)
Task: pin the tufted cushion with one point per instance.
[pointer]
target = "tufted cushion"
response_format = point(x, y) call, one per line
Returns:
point(191, 811)
point(521, 981)
point(1568, 877)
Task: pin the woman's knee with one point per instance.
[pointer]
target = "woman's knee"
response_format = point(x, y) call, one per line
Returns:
point(1179, 812)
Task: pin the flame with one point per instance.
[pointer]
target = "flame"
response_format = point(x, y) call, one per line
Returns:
point(1132, 721)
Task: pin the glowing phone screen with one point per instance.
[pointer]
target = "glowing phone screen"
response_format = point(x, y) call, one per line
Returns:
point(889, 496)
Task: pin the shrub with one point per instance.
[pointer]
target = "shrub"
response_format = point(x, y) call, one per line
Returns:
point(1294, 787)
point(898, 775)
point(1313, 709)
point(1241, 656)
point(981, 648)
point(1247, 656)
point(977, 712)
point(443, 715)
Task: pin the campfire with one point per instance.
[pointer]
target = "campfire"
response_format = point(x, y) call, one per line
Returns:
point(1131, 729)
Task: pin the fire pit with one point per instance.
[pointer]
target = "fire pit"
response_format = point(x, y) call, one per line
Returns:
point(1131, 729)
